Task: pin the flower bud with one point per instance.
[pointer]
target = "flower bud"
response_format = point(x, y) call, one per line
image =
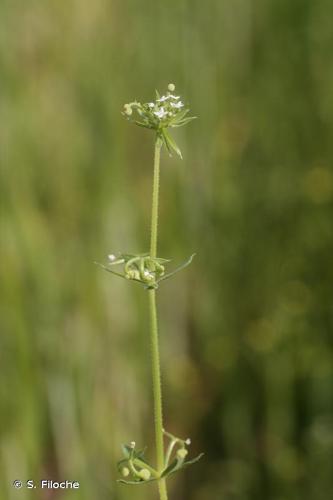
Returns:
point(171, 87)
point(148, 277)
point(125, 471)
point(132, 444)
point(128, 110)
point(144, 474)
point(181, 453)
point(132, 274)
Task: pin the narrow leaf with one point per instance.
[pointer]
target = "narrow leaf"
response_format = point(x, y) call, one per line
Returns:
point(175, 465)
point(116, 274)
point(194, 460)
point(179, 268)
point(140, 481)
point(178, 464)
point(172, 144)
point(109, 270)
point(184, 121)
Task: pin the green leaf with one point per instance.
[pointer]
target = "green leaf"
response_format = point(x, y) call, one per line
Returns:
point(170, 143)
point(139, 481)
point(165, 141)
point(178, 464)
point(179, 116)
point(121, 462)
point(130, 452)
point(179, 268)
point(173, 467)
point(184, 121)
point(127, 451)
point(140, 454)
point(142, 124)
point(160, 260)
point(109, 270)
point(117, 274)
point(182, 113)
point(194, 460)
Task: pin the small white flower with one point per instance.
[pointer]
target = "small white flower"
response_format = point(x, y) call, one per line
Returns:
point(161, 113)
point(177, 105)
point(112, 257)
point(171, 87)
point(151, 104)
point(148, 275)
point(163, 98)
point(167, 97)
point(132, 444)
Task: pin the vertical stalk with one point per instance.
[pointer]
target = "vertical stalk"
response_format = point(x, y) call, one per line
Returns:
point(155, 357)
point(154, 208)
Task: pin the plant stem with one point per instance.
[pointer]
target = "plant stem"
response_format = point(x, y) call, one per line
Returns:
point(156, 382)
point(155, 356)
point(154, 209)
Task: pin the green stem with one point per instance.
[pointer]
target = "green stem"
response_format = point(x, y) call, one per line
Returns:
point(155, 356)
point(162, 489)
point(154, 209)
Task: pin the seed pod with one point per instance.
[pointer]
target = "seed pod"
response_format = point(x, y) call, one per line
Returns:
point(144, 474)
point(125, 471)
point(181, 453)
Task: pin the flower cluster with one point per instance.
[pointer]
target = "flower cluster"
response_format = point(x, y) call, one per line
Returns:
point(166, 111)
point(135, 469)
point(142, 268)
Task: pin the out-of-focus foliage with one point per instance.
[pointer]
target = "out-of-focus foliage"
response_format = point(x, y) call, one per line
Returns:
point(246, 331)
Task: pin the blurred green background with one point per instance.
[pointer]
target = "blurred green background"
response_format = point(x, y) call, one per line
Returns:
point(246, 331)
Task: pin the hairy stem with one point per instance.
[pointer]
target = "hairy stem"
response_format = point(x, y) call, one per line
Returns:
point(154, 209)
point(156, 382)
point(155, 356)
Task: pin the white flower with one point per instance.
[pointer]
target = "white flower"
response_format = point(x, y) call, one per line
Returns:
point(112, 257)
point(171, 87)
point(163, 98)
point(167, 97)
point(148, 276)
point(161, 113)
point(151, 104)
point(177, 105)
